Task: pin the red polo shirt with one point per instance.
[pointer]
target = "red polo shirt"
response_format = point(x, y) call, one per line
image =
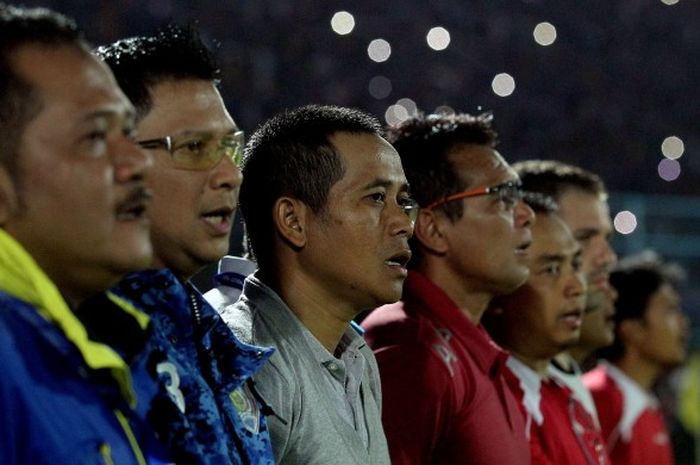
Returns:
point(445, 400)
point(560, 429)
point(630, 418)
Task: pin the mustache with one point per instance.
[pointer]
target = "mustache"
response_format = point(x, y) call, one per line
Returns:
point(137, 200)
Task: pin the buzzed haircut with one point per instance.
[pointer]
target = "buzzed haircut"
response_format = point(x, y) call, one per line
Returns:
point(636, 279)
point(540, 203)
point(18, 100)
point(292, 155)
point(424, 143)
point(553, 178)
point(174, 53)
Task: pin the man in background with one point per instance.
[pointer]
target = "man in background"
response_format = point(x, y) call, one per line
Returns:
point(582, 202)
point(535, 323)
point(651, 336)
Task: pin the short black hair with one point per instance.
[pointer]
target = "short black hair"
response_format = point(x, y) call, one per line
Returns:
point(292, 155)
point(174, 53)
point(552, 178)
point(540, 203)
point(424, 143)
point(18, 102)
point(636, 279)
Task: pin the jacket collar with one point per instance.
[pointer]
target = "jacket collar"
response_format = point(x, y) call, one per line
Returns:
point(25, 280)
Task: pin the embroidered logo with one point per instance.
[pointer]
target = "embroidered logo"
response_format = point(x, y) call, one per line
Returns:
point(443, 349)
point(248, 411)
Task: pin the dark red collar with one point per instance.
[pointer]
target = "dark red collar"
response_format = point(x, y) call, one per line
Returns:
point(422, 295)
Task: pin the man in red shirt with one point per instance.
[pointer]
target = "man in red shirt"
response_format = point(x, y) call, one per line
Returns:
point(445, 398)
point(651, 333)
point(536, 322)
point(582, 199)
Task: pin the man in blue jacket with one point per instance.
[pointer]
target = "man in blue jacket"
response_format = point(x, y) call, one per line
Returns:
point(207, 410)
point(72, 205)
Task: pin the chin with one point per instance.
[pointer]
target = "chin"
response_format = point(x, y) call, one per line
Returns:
point(516, 281)
point(133, 259)
point(383, 298)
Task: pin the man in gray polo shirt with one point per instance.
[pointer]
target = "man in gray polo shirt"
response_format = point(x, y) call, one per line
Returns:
point(328, 217)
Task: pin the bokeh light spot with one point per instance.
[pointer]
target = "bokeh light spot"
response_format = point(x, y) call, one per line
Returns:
point(342, 23)
point(438, 38)
point(625, 222)
point(380, 87)
point(672, 147)
point(503, 84)
point(396, 114)
point(409, 105)
point(444, 110)
point(545, 34)
point(379, 50)
point(669, 170)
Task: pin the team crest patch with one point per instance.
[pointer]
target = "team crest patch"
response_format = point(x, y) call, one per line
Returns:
point(247, 408)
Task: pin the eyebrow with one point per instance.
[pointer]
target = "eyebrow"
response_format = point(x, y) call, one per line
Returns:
point(204, 132)
point(548, 258)
point(128, 117)
point(586, 233)
point(404, 187)
point(104, 113)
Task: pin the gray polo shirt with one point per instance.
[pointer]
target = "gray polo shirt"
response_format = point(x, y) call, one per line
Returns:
point(327, 409)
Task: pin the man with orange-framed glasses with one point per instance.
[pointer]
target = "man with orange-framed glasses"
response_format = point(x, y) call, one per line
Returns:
point(445, 399)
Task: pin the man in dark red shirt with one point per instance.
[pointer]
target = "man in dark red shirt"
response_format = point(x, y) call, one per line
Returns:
point(536, 322)
point(445, 398)
point(651, 334)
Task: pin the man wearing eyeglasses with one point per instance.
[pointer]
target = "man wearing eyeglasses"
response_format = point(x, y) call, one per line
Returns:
point(445, 398)
point(328, 216)
point(205, 409)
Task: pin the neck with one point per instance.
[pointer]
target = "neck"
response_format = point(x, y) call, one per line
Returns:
point(322, 313)
point(471, 301)
point(539, 365)
point(579, 354)
point(183, 270)
point(566, 360)
point(641, 371)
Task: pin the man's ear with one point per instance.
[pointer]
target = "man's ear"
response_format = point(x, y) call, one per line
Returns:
point(289, 217)
point(8, 196)
point(429, 230)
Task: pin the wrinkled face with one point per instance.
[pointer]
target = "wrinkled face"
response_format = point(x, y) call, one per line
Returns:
point(357, 247)
point(598, 328)
point(663, 334)
point(78, 201)
point(543, 317)
point(192, 210)
point(588, 217)
point(488, 245)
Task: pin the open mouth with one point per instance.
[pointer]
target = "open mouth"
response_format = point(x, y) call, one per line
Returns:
point(134, 206)
point(573, 317)
point(218, 217)
point(401, 259)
